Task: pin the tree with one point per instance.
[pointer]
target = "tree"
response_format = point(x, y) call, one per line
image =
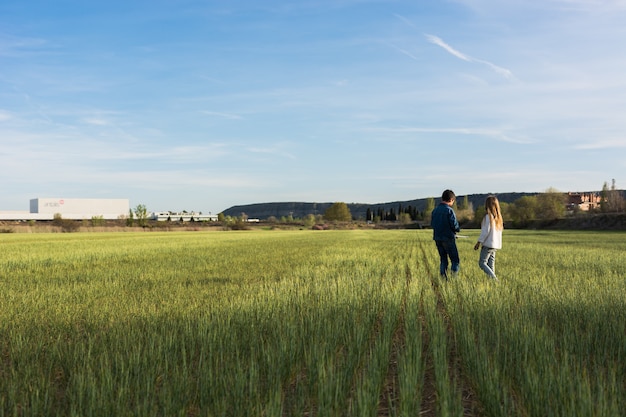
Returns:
point(338, 212)
point(604, 197)
point(430, 206)
point(308, 220)
point(611, 199)
point(505, 210)
point(616, 198)
point(551, 204)
point(412, 211)
point(464, 204)
point(524, 209)
point(141, 212)
point(66, 225)
point(131, 218)
point(404, 218)
point(479, 214)
point(465, 210)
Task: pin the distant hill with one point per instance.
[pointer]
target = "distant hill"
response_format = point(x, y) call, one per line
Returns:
point(263, 211)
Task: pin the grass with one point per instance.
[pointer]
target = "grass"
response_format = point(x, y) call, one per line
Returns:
point(330, 323)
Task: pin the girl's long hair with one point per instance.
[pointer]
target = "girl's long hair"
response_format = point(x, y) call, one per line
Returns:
point(492, 206)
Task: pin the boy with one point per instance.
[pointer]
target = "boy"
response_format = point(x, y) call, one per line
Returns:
point(445, 226)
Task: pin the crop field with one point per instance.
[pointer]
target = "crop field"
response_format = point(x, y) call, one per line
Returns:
point(310, 323)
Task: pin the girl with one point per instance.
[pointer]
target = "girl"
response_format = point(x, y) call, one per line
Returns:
point(490, 237)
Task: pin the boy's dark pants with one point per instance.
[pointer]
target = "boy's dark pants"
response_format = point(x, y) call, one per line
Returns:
point(447, 249)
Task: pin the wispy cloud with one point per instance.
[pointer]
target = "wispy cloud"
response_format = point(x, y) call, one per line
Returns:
point(167, 155)
point(493, 133)
point(185, 180)
point(17, 46)
point(405, 20)
point(439, 42)
point(276, 149)
point(4, 115)
point(229, 116)
point(96, 121)
point(403, 51)
point(602, 144)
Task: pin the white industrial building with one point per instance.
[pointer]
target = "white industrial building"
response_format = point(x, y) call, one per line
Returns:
point(183, 217)
point(71, 208)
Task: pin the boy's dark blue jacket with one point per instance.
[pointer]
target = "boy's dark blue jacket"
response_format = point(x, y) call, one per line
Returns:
point(444, 223)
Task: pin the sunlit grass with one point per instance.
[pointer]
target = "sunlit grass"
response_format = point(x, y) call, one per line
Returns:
point(321, 322)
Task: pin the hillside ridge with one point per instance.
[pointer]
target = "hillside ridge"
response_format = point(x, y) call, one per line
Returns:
point(263, 211)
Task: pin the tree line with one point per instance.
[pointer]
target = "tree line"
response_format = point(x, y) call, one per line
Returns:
point(549, 205)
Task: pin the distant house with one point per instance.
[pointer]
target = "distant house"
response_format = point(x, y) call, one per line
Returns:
point(583, 201)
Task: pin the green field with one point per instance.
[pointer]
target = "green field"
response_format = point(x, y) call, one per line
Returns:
point(310, 323)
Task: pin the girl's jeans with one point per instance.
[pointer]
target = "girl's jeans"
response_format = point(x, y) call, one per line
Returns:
point(487, 261)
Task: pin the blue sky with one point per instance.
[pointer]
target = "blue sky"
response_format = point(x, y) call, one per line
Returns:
point(202, 105)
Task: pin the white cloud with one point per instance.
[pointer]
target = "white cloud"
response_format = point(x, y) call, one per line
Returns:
point(230, 116)
point(603, 144)
point(5, 115)
point(493, 133)
point(176, 179)
point(15, 46)
point(276, 149)
point(439, 42)
point(403, 51)
point(96, 121)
